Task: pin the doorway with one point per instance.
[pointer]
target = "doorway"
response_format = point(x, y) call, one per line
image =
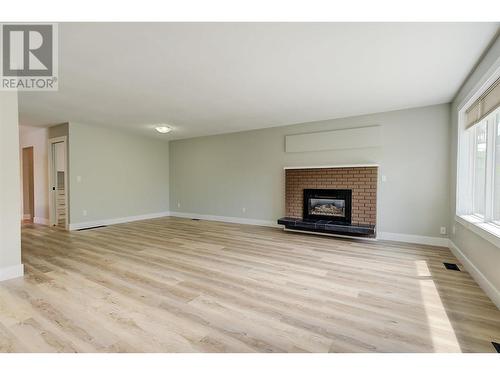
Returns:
point(58, 179)
point(28, 185)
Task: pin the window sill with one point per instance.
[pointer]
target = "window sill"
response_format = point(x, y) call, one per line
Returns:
point(488, 231)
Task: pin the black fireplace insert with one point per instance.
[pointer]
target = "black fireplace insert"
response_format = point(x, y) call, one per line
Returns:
point(328, 204)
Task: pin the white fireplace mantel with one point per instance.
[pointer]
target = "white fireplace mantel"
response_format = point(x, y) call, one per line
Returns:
point(333, 166)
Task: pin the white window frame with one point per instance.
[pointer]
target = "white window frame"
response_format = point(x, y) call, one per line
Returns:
point(483, 226)
point(489, 169)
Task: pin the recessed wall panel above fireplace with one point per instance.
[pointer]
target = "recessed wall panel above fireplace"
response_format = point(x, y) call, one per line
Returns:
point(341, 139)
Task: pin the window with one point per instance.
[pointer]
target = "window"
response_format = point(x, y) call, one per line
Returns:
point(479, 137)
point(478, 177)
point(479, 173)
point(496, 172)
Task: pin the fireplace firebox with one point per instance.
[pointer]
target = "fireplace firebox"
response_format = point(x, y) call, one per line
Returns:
point(328, 204)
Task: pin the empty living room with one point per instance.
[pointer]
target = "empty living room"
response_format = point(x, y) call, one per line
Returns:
point(249, 187)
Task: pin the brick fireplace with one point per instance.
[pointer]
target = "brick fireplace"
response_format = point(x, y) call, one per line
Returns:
point(360, 181)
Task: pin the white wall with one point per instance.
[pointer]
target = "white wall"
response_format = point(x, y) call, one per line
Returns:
point(10, 197)
point(38, 139)
point(218, 175)
point(480, 256)
point(115, 175)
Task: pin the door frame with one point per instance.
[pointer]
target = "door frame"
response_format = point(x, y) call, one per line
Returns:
point(52, 200)
point(30, 181)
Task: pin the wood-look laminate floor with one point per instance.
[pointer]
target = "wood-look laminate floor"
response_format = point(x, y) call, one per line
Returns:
point(177, 285)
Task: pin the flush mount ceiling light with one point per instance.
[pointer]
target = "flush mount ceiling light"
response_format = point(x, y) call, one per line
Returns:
point(163, 129)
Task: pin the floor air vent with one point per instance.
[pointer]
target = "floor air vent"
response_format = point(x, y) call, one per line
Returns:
point(451, 266)
point(196, 219)
point(496, 345)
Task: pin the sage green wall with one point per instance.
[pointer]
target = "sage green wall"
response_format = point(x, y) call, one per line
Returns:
point(10, 188)
point(219, 175)
point(122, 174)
point(484, 255)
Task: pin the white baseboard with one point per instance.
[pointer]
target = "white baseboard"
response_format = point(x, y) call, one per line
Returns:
point(41, 220)
point(424, 240)
point(227, 219)
point(412, 238)
point(476, 274)
point(119, 220)
point(11, 272)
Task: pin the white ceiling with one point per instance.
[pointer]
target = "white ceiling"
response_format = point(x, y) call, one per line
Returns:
point(209, 78)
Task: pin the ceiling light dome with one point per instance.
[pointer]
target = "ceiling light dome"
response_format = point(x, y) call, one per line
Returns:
point(163, 129)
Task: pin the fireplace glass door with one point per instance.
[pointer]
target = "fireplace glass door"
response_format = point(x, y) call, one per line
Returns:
point(327, 207)
point(328, 204)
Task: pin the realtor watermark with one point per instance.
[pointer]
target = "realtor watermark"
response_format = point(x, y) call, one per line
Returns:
point(29, 57)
